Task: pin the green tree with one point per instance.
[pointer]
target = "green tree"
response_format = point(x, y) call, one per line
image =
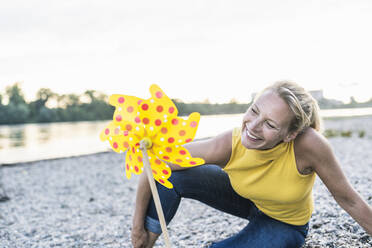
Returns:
point(91, 94)
point(2, 111)
point(39, 111)
point(72, 100)
point(15, 114)
point(15, 94)
point(44, 94)
point(47, 115)
point(17, 111)
point(353, 101)
point(61, 101)
point(97, 108)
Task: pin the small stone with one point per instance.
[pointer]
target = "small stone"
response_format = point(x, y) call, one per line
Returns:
point(316, 226)
point(365, 238)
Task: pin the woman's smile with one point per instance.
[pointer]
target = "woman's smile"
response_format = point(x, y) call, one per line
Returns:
point(251, 136)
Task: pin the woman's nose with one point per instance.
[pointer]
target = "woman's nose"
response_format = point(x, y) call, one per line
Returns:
point(254, 125)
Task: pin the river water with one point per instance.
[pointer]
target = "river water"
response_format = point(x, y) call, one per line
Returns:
point(31, 142)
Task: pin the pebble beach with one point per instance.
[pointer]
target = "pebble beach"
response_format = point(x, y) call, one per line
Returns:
point(87, 201)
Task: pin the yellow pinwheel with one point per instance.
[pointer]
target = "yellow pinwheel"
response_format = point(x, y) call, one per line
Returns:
point(154, 120)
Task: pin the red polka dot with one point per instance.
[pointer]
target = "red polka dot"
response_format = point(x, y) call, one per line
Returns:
point(164, 130)
point(130, 109)
point(145, 107)
point(136, 168)
point(137, 144)
point(161, 181)
point(192, 163)
point(193, 124)
point(159, 94)
point(115, 145)
point(139, 102)
point(127, 166)
point(188, 140)
point(179, 160)
point(107, 131)
point(168, 149)
point(174, 121)
point(125, 133)
point(171, 110)
point(157, 161)
point(159, 109)
point(128, 127)
point(182, 133)
point(165, 172)
point(133, 150)
point(139, 159)
point(118, 118)
point(137, 120)
point(158, 122)
point(126, 145)
point(171, 140)
point(146, 121)
point(154, 172)
point(182, 152)
point(166, 157)
point(121, 99)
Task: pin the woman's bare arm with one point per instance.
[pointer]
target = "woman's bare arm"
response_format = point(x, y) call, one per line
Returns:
point(329, 171)
point(216, 150)
point(139, 235)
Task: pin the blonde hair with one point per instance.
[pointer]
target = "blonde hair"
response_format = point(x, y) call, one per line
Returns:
point(302, 104)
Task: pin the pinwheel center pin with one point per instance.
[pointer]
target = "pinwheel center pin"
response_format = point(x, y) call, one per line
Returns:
point(146, 143)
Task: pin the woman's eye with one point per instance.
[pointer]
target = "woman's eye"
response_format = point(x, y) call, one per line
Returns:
point(254, 111)
point(270, 126)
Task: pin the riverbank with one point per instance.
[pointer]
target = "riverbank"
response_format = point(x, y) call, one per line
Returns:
point(87, 201)
point(32, 142)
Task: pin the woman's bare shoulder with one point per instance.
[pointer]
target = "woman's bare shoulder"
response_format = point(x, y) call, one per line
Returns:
point(312, 145)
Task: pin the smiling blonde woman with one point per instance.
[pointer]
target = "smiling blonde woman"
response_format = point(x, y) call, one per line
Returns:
point(263, 171)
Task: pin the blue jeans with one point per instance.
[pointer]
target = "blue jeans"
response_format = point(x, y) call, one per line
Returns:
point(211, 185)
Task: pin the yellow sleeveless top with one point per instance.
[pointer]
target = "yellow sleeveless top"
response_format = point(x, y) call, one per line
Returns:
point(270, 179)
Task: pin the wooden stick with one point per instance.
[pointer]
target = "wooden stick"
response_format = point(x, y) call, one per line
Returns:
point(143, 146)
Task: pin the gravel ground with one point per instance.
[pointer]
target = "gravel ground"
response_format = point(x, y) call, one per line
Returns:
point(87, 201)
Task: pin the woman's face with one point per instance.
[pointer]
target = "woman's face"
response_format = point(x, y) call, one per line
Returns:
point(266, 122)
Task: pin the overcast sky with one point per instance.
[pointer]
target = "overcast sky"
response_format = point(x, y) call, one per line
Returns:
point(193, 49)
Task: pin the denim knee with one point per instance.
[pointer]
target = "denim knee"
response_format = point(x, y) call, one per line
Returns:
point(152, 225)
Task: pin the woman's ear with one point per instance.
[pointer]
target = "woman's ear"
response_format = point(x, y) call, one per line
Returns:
point(291, 136)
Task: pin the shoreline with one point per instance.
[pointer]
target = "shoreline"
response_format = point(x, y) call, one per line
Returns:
point(25, 163)
point(77, 146)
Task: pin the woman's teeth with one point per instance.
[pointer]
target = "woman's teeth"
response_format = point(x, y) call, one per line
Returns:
point(251, 135)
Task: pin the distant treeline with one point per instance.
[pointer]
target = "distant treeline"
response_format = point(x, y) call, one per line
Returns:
point(71, 107)
point(93, 105)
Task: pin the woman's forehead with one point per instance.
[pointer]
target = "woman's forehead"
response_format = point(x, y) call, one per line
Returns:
point(274, 107)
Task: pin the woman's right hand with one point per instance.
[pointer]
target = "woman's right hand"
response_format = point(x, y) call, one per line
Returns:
point(140, 237)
